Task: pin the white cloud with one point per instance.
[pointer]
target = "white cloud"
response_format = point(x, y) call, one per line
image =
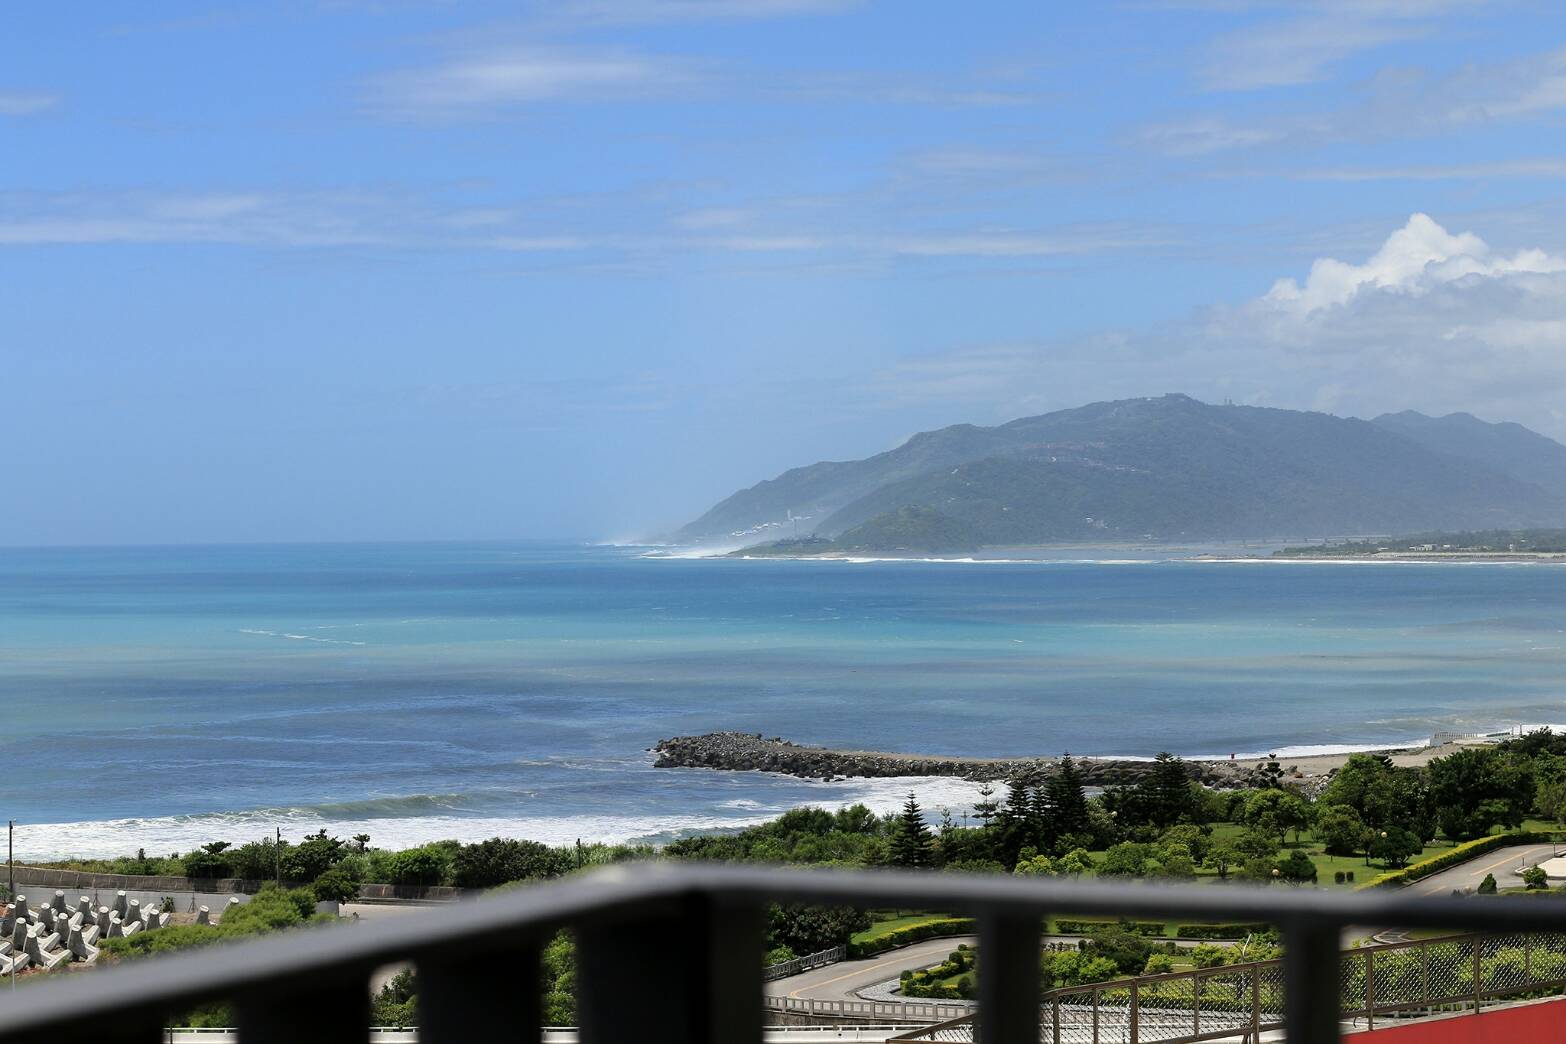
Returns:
point(1416, 258)
point(1431, 320)
point(1523, 168)
point(1199, 135)
point(15, 104)
point(1299, 51)
point(491, 81)
point(652, 12)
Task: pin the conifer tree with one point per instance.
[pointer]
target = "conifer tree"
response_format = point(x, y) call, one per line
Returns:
point(1167, 790)
point(1068, 799)
point(986, 808)
point(911, 844)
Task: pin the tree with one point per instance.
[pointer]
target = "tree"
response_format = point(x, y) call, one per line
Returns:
point(1196, 839)
point(1223, 856)
point(1127, 859)
point(1275, 812)
point(1394, 846)
point(1074, 863)
point(1476, 788)
point(806, 928)
point(912, 844)
point(1038, 866)
point(1166, 790)
point(1173, 859)
point(1382, 795)
point(1340, 830)
point(311, 858)
point(986, 808)
point(1296, 868)
point(335, 886)
point(502, 859)
point(1068, 799)
point(418, 866)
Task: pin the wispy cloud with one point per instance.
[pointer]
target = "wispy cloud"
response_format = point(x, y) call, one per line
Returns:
point(654, 12)
point(1201, 135)
point(1525, 168)
point(493, 81)
point(404, 221)
point(1305, 45)
point(24, 104)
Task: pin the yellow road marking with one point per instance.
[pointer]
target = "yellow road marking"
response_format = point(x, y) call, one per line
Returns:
point(794, 994)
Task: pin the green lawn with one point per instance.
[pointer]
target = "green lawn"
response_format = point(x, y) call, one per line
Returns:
point(898, 920)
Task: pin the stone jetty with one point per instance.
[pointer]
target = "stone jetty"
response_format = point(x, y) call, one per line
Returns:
point(751, 752)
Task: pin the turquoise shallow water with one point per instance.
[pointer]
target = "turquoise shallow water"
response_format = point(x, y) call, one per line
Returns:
point(163, 696)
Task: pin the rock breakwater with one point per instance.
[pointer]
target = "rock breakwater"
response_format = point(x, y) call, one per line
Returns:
point(751, 752)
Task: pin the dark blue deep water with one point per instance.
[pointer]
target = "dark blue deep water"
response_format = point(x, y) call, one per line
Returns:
point(167, 696)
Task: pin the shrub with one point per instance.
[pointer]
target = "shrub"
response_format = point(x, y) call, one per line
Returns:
point(1487, 886)
point(1159, 964)
point(912, 934)
point(1450, 858)
point(780, 955)
point(1219, 931)
point(335, 886)
point(1146, 928)
point(501, 860)
point(419, 866)
point(1535, 877)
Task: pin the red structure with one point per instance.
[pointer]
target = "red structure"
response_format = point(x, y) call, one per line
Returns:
point(1524, 1024)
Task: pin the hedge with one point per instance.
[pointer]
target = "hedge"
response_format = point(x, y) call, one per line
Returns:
point(912, 934)
point(1153, 928)
point(1219, 931)
point(1452, 857)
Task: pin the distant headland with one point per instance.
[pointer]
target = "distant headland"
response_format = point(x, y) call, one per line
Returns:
point(1166, 469)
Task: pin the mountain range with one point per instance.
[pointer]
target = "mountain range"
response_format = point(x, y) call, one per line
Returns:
point(1167, 468)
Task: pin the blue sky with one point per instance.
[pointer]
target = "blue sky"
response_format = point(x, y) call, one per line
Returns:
point(404, 270)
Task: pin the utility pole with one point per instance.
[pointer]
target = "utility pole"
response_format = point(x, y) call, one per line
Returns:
point(10, 856)
point(277, 858)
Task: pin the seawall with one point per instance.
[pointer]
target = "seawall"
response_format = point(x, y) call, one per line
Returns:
point(751, 752)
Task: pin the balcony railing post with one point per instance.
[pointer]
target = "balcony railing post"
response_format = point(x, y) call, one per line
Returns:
point(1255, 1005)
point(682, 973)
point(1370, 989)
point(1009, 978)
point(336, 1012)
point(1478, 971)
point(1135, 1014)
point(467, 997)
point(1311, 1002)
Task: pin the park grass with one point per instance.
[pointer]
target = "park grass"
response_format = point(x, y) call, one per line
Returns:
point(898, 920)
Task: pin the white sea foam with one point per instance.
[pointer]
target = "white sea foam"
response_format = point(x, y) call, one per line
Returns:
point(115, 837)
point(297, 637)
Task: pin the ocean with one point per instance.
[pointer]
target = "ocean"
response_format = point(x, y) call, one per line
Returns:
point(163, 697)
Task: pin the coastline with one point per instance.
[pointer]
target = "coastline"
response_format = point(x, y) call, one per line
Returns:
point(751, 752)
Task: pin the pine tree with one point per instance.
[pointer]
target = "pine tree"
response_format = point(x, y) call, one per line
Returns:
point(1167, 790)
point(1067, 798)
point(1042, 828)
point(986, 808)
point(912, 844)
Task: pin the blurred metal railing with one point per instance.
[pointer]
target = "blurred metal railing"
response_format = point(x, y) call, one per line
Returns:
point(670, 952)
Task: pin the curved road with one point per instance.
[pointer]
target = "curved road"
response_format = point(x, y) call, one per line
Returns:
point(1503, 863)
point(841, 981)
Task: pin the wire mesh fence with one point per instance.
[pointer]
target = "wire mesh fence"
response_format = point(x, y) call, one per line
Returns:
point(1378, 986)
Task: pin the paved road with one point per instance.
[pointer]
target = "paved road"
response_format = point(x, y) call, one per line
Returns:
point(1503, 863)
point(839, 982)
